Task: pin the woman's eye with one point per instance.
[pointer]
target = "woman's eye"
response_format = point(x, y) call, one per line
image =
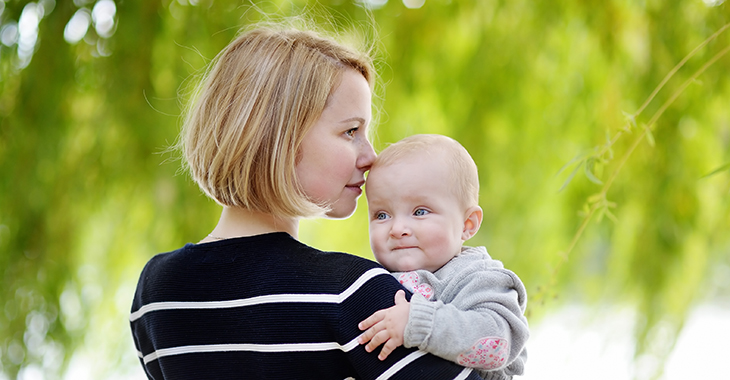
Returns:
point(351, 132)
point(420, 212)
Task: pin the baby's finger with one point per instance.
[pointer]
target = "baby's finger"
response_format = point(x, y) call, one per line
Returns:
point(371, 320)
point(388, 347)
point(400, 297)
point(367, 335)
point(379, 338)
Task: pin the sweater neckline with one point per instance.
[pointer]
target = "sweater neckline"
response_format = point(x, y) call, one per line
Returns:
point(242, 239)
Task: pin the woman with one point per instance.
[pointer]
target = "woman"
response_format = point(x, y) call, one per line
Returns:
point(279, 131)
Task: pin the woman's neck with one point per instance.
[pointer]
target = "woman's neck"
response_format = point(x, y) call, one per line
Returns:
point(238, 222)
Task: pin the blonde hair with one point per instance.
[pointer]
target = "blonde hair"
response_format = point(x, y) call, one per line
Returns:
point(463, 169)
point(261, 95)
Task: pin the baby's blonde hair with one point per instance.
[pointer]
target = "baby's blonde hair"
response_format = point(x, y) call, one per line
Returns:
point(261, 95)
point(463, 169)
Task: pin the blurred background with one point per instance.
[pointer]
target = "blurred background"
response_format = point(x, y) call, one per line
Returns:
point(609, 199)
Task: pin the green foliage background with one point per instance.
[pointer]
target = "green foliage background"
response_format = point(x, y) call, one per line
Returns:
point(87, 194)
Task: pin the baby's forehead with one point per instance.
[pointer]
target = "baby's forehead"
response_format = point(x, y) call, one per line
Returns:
point(396, 152)
point(388, 197)
point(398, 190)
point(413, 160)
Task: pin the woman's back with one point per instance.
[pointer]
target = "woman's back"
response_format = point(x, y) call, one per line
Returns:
point(264, 307)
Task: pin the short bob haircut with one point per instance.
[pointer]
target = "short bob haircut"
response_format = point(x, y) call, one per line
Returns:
point(463, 169)
point(258, 99)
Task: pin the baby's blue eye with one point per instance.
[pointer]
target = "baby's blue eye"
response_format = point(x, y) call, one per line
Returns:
point(381, 216)
point(420, 212)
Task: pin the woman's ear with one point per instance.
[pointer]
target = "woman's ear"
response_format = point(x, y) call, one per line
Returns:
point(472, 222)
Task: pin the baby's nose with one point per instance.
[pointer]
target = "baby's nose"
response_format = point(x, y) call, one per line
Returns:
point(400, 229)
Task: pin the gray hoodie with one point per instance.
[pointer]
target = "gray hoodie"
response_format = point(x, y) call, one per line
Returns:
point(470, 311)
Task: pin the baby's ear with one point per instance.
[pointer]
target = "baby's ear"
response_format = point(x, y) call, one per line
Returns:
point(472, 222)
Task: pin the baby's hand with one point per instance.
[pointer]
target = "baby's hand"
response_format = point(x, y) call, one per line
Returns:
point(386, 326)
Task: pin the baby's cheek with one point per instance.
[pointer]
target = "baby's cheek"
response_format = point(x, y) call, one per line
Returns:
point(380, 253)
point(486, 353)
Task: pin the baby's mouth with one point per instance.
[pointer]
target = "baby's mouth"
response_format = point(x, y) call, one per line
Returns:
point(404, 247)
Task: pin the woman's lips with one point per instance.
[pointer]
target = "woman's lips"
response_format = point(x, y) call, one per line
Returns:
point(355, 188)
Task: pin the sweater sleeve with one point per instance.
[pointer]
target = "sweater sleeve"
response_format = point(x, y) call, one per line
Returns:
point(481, 325)
point(377, 293)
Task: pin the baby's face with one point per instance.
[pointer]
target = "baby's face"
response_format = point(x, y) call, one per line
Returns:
point(416, 222)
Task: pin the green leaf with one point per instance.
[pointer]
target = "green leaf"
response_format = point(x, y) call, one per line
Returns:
point(577, 157)
point(589, 173)
point(570, 177)
point(610, 215)
point(718, 170)
point(649, 135)
point(595, 198)
point(630, 118)
point(609, 144)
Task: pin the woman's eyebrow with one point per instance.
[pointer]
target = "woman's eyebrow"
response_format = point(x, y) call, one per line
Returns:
point(356, 118)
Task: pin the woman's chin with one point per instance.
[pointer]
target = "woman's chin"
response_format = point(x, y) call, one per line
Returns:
point(341, 211)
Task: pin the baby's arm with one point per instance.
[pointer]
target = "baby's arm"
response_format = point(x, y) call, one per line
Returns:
point(371, 296)
point(386, 326)
point(477, 323)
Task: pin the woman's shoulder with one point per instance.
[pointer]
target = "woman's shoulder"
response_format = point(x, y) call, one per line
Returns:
point(335, 259)
point(270, 257)
point(348, 268)
point(161, 260)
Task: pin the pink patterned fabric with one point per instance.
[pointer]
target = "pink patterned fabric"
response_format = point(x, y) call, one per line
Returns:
point(411, 281)
point(487, 353)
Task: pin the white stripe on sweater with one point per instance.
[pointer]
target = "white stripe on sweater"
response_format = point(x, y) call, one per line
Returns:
point(400, 364)
point(272, 298)
point(408, 360)
point(285, 347)
point(294, 347)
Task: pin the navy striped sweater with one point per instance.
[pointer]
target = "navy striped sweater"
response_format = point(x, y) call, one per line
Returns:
point(267, 307)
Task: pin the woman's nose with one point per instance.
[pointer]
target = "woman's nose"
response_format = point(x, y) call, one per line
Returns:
point(366, 157)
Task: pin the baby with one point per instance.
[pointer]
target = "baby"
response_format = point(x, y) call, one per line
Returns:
point(423, 201)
